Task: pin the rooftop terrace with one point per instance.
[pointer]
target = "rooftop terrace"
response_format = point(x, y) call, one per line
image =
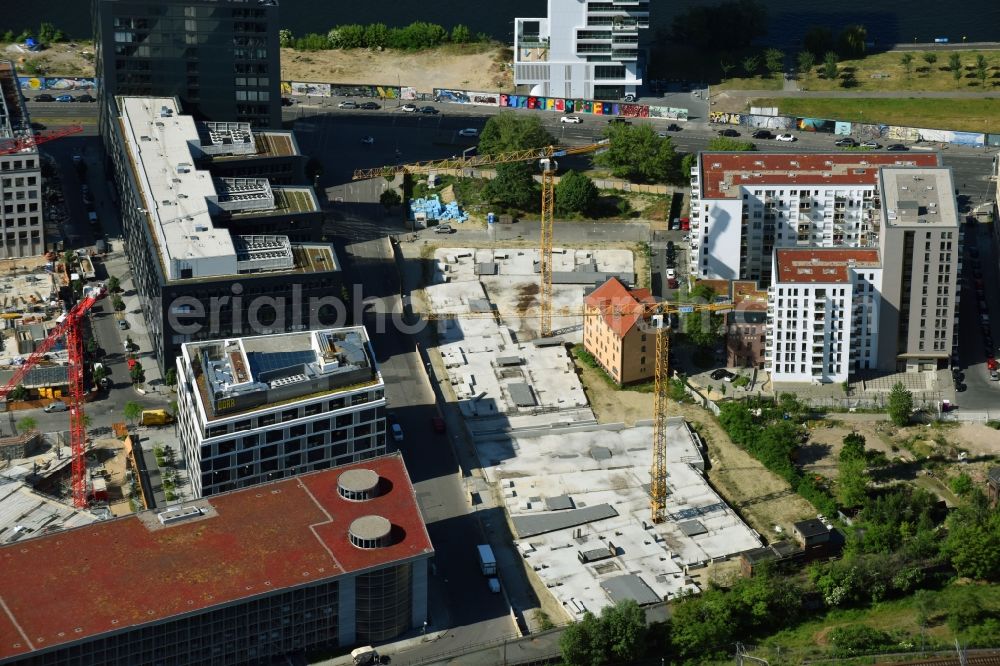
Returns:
point(136, 570)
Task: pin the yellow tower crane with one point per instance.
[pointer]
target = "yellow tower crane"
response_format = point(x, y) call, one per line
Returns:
point(658, 315)
point(546, 157)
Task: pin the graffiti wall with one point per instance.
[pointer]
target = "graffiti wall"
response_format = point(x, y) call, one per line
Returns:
point(466, 97)
point(761, 121)
point(725, 118)
point(668, 112)
point(56, 83)
point(310, 89)
point(408, 93)
point(815, 125)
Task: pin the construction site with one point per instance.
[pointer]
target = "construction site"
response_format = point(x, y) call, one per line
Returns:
point(577, 494)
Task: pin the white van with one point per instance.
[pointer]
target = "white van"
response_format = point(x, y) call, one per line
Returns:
point(58, 406)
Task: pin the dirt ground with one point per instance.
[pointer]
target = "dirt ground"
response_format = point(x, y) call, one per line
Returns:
point(472, 67)
point(426, 70)
point(761, 497)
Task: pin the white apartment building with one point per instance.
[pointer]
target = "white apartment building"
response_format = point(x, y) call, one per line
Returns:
point(22, 231)
point(744, 205)
point(584, 49)
point(260, 408)
point(823, 310)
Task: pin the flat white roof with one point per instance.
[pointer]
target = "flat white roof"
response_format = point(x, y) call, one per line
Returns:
point(917, 197)
point(175, 194)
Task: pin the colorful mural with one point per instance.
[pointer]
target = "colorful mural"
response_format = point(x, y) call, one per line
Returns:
point(56, 83)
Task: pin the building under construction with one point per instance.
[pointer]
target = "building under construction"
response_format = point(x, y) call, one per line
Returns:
point(21, 231)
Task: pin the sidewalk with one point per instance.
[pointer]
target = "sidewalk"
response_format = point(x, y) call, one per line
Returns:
point(117, 265)
point(861, 94)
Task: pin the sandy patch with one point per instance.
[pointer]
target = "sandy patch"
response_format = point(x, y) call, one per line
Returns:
point(426, 70)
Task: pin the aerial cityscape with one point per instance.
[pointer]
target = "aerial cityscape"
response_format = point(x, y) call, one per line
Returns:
point(573, 332)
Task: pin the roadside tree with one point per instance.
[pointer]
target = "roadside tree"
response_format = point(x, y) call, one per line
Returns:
point(806, 61)
point(906, 60)
point(137, 374)
point(930, 58)
point(113, 284)
point(512, 187)
point(900, 404)
point(27, 424)
point(637, 153)
point(507, 132)
point(774, 62)
point(132, 411)
point(982, 69)
point(751, 64)
point(955, 66)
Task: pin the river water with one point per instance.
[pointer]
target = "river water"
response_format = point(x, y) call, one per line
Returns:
point(888, 21)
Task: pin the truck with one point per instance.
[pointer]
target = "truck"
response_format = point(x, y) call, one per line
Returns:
point(155, 417)
point(487, 561)
point(363, 656)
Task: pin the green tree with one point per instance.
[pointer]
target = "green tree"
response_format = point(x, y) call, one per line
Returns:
point(27, 424)
point(18, 393)
point(508, 131)
point(390, 198)
point(117, 303)
point(965, 611)
point(376, 36)
point(100, 374)
point(623, 627)
point(974, 546)
point(8, 37)
point(582, 642)
point(575, 193)
point(349, 36)
point(854, 447)
point(906, 60)
point(852, 41)
point(637, 153)
point(113, 284)
point(852, 481)
point(982, 69)
point(702, 625)
point(818, 40)
point(170, 377)
point(961, 485)
point(725, 143)
point(830, 68)
point(751, 64)
point(688, 163)
point(955, 66)
point(137, 374)
point(900, 404)
point(857, 639)
point(132, 411)
point(774, 62)
point(930, 58)
point(48, 33)
point(461, 34)
point(285, 38)
point(513, 186)
point(806, 62)
point(726, 65)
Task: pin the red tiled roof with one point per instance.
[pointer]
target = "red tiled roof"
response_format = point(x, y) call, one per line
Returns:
point(120, 573)
point(622, 307)
point(821, 265)
point(845, 168)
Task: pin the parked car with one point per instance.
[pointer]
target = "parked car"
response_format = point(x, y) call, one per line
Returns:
point(572, 120)
point(437, 424)
point(786, 137)
point(408, 108)
point(370, 106)
point(368, 140)
point(871, 145)
point(685, 224)
point(896, 147)
point(443, 229)
point(58, 406)
point(672, 283)
point(846, 142)
point(348, 104)
point(728, 132)
point(671, 273)
point(86, 98)
point(428, 109)
point(762, 134)
point(468, 131)
point(397, 432)
point(44, 97)
point(673, 127)
point(286, 101)
point(65, 98)
point(122, 325)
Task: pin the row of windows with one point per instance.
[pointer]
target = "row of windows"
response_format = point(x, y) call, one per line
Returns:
point(276, 450)
point(225, 480)
point(16, 165)
point(312, 409)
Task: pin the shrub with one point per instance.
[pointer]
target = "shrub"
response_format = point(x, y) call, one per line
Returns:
point(857, 639)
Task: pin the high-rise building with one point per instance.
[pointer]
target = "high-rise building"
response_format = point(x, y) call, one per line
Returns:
point(21, 225)
point(219, 57)
point(744, 205)
point(920, 240)
point(322, 561)
point(583, 49)
point(214, 257)
point(823, 312)
point(260, 408)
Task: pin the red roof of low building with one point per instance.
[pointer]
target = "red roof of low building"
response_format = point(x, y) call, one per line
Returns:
point(132, 570)
point(621, 307)
point(821, 265)
point(733, 170)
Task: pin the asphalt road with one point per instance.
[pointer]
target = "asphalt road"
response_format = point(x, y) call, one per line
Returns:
point(981, 392)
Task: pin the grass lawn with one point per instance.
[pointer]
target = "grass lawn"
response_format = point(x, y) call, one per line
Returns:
point(751, 83)
point(885, 71)
point(973, 115)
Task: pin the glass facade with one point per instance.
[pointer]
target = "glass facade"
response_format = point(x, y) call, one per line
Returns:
point(383, 603)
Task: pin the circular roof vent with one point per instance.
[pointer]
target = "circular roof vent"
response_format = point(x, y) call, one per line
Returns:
point(358, 484)
point(370, 532)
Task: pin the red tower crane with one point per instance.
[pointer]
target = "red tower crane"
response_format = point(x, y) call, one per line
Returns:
point(30, 140)
point(68, 325)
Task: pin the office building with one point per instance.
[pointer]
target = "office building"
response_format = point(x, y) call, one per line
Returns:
point(261, 408)
point(323, 561)
point(823, 314)
point(616, 331)
point(22, 232)
point(920, 240)
point(219, 57)
point(746, 326)
point(744, 205)
point(583, 49)
point(214, 257)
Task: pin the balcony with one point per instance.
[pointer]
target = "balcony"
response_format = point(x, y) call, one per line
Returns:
point(624, 55)
point(532, 41)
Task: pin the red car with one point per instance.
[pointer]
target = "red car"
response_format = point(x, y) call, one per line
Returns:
point(685, 224)
point(438, 424)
